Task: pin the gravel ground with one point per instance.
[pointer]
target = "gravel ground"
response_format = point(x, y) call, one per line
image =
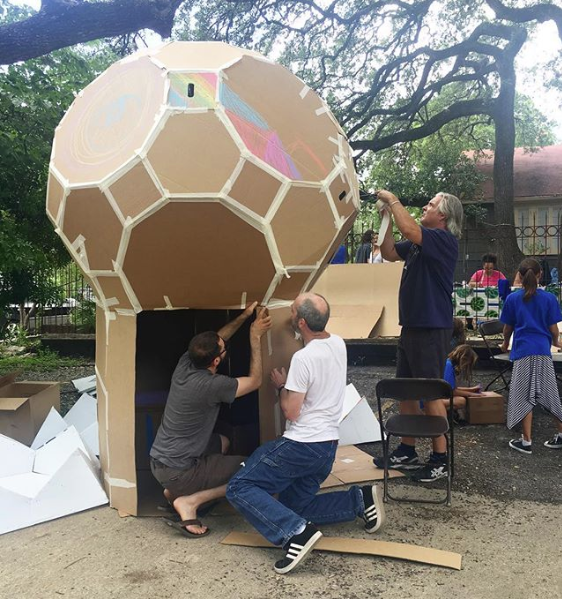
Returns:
point(484, 462)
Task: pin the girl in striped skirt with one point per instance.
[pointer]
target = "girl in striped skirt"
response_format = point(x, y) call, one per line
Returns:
point(531, 315)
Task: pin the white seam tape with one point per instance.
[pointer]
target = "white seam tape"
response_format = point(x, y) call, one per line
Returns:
point(112, 301)
point(269, 345)
point(78, 242)
point(304, 91)
point(119, 482)
point(321, 111)
point(124, 312)
point(168, 303)
point(243, 300)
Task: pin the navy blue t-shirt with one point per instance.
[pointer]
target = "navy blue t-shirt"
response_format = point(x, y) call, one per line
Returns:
point(426, 287)
point(530, 321)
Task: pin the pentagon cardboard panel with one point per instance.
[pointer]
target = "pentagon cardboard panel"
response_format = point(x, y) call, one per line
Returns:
point(89, 214)
point(254, 188)
point(112, 289)
point(303, 226)
point(198, 55)
point(198, 255)
point(291, 286)
point(194, 153)
point(342, 195)
point(109, 122)
point(192, 90)
point(55, 196)
point(135, 191)
point(264, 103)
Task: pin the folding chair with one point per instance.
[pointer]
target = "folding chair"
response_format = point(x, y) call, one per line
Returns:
point(488, 329)
point(420, 426)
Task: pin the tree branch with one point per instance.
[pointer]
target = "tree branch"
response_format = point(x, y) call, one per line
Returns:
point(538, 12)
point(65, 23)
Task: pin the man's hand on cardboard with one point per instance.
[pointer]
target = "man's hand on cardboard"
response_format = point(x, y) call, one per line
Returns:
point(262, 324)
point(278, 378)
point(249, 310)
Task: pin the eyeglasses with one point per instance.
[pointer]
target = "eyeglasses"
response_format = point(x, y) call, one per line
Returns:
point(225, 348)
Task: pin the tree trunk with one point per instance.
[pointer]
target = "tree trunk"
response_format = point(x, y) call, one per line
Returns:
point(503, 231)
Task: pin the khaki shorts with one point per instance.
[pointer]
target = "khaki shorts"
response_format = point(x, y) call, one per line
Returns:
point(211, 470)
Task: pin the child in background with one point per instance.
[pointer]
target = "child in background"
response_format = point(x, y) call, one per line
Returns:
point(460, 363)
point(459, 334)
point(531, 315)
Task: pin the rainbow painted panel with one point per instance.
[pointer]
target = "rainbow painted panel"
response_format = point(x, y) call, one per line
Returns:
point(192, 90)
point(256, 134)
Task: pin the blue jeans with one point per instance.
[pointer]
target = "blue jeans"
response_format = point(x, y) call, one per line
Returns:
point(294, 470)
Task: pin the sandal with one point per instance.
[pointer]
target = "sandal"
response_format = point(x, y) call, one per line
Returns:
point(181, 527)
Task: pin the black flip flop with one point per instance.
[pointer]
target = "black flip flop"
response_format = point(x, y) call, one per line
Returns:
point(180, 526)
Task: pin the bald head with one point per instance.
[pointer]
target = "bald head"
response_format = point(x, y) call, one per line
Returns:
point(314, 309)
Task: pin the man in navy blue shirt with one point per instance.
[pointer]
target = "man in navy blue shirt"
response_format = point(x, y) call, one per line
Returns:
point(430, 252)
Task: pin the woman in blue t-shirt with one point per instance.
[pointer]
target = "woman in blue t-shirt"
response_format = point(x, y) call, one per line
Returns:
point(531, 315)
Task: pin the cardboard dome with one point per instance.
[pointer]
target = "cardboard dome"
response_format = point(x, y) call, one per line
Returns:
point(199, 175)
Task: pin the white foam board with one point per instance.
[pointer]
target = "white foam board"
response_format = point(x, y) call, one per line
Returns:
point(53, 425)
point(360, 426)
point(84, 416)
point(351, 399)
point(85, 384)
point(15, 457)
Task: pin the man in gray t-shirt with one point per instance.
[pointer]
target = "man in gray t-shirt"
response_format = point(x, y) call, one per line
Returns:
point(187, 459)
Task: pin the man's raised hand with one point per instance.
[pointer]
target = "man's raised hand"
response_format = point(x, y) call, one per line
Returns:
point(249, 310)
point(262, 324)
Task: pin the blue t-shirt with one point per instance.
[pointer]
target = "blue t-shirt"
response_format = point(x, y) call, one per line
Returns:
point(426, 287)
point(530, 321)
point(449, 374)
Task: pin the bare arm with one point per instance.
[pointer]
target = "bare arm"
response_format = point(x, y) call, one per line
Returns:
point(228, 330)
point(387, 247)
point(247, 384)
point(507, 331)
point(555, 335)
point(290, 401)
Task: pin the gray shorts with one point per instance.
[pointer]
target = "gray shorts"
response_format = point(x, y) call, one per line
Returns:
point(422, 353)
point(211, 470)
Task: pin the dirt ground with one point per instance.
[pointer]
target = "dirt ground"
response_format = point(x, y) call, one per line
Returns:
point(504, 521)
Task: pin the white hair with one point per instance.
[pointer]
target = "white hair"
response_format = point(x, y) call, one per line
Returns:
point(450, 206)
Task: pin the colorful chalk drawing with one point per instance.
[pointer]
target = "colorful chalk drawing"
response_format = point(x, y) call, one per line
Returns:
point(258, 137)
point(204, 90)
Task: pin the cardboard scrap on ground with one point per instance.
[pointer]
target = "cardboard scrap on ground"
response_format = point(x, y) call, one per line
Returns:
point(413, 553)
point(354, 466)
point(358, 423)
point(59, 478)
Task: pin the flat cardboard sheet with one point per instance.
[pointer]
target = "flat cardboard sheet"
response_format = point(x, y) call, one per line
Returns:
point(354, 322)
point(412, 553)
point(371, 286)
point(354, 466)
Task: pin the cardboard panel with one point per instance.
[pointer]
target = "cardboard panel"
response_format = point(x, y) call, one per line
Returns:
point(194, 153)
point(254, 188)
point(192, 90)
point(303, 226)
point(277, 350)
point(120, 385)
point(113, 288)
point(88, 213)
point(412, 553)
point(210, 55)
point(354, 322)
point(341, 192)
point(486, 408)
point(109, 121)
point(291, 286)
point(178, 254)
point(55, 195)
point(135, 191)
point(277, 124)
point(370, 285)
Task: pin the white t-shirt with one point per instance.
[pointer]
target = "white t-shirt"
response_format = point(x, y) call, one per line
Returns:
point(320, 371)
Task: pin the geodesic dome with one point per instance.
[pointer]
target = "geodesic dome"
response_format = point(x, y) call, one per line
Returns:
point(199, 175)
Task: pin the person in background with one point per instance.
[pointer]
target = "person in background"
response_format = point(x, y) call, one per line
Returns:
point(376, 256)
point(340, 257)
point(363, 254)
point(488, 276)
point(459, 333)
point(531, 316)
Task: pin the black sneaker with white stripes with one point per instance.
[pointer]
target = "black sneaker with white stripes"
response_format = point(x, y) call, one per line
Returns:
point(298, 547)
point(555, 442)
point(374, 508)
point(517, 444)
point(431, 472)
point(400, 459)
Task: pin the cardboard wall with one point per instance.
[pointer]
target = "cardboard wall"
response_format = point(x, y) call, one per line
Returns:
point(365, 287)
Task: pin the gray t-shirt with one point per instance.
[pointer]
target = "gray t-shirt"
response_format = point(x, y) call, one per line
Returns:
point(190, 414)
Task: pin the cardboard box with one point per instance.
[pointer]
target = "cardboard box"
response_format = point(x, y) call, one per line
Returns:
point(24, 406)
point(485, 408)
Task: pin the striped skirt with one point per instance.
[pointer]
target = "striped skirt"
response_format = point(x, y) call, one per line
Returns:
point(532, 382)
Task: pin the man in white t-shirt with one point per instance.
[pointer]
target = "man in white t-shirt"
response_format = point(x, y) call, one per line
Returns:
point(294, 466)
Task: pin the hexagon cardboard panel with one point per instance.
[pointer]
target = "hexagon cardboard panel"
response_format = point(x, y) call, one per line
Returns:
point(198, 174)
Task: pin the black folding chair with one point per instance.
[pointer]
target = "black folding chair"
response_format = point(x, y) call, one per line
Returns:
point(487, 329)
point(420, 426)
